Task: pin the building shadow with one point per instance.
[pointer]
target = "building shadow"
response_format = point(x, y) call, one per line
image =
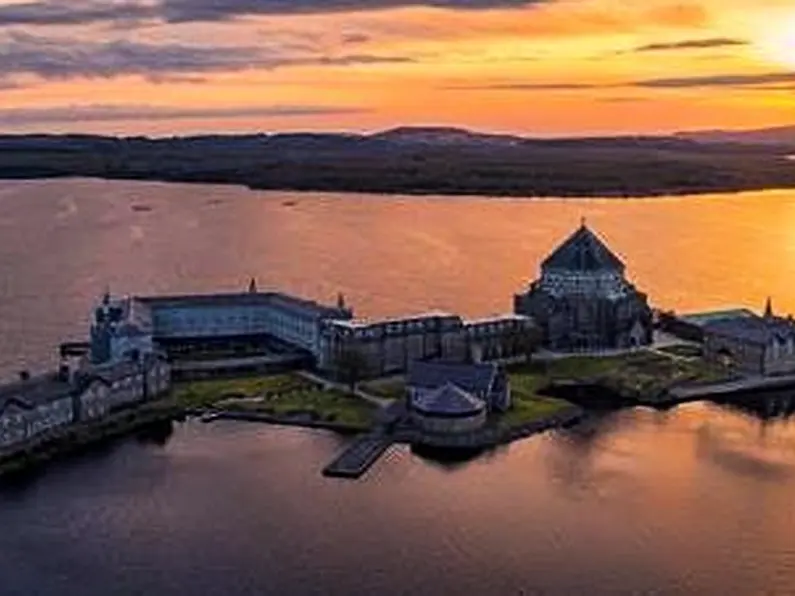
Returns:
point(767, 407)
point(452, 459)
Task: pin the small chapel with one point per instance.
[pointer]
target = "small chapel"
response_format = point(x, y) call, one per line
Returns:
point(583, 301)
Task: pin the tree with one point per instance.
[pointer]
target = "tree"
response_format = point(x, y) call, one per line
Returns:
point(351, 366)
point(528, 341)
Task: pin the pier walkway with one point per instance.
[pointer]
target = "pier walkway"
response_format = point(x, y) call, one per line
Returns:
point(359, 456)
point(755, 383)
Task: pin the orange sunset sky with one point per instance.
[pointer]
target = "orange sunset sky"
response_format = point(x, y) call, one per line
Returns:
point(545, 67)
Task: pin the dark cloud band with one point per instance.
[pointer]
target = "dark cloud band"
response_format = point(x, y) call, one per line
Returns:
point(127, 113)
point(55, 58)
point(77, 12)
point(692, 44)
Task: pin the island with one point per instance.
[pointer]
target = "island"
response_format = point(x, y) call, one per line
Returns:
point(581, 337)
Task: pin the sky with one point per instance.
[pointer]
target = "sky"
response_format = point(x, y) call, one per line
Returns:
point(534, 67)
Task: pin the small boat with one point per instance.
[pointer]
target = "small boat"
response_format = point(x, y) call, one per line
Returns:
point(289, 204)
point(141, 208)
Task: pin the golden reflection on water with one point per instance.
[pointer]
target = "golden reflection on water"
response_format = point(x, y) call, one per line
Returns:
point(62, 242)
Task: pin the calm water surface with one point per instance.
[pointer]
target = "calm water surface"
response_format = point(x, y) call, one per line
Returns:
point(694, 501)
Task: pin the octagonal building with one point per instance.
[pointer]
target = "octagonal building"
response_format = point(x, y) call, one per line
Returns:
point(583, 302)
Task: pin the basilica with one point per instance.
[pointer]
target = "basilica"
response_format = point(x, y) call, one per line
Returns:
point(583, 301)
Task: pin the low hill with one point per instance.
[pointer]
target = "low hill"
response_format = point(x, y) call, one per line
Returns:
point(412, 161)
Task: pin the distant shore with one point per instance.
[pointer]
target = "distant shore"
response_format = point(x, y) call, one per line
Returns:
point(495, 192)
point(412, 163)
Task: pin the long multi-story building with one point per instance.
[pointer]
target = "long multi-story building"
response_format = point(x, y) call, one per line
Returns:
point(273, 321)
point(35, 407)
point(390, 346)
point(173, 324)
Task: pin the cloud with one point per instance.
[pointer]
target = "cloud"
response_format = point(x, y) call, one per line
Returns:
point(524, 87)
point(58, 58)
point(776, 81)
point(623, 99)
point(122, 113)
point(691, 44)
point(82, 12)
point(355, 38)
point(213, 10)
point(74, 12)
point(727, 80)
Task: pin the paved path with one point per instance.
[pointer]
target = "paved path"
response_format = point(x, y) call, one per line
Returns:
point(376, 401)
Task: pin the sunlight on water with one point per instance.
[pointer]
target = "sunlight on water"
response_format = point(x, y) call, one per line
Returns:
point(693, 501)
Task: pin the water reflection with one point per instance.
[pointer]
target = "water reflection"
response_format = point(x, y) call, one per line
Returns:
point(767, 407)
point(451, 460)
point(157, 433)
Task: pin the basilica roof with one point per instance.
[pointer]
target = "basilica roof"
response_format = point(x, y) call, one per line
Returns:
point(583, 251)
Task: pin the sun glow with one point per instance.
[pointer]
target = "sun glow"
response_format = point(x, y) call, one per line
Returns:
point(779, 42)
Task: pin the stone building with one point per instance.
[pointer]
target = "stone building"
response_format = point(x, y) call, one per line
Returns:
point(390, 346)
point(486, 381)
point(178, 324)
point(583, 302)
point(34, 407)
point(446, 399)
point(761, 345)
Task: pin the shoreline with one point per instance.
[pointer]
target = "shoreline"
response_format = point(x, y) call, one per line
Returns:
point(71, 440)
point(36, 455)
point(418, 192)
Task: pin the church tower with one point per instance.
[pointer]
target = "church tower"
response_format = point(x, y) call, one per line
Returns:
point(769, 308)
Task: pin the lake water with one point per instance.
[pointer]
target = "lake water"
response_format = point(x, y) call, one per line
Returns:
point(693, 501)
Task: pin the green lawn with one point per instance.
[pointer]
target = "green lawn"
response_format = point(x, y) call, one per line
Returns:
point(641, 373)
point(200, 394)
point(330, 406)
point(391, 389)
point(529, 409)
point(683, 351)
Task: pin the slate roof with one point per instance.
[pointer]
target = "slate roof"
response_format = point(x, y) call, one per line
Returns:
point(583, 251)
point(702, 319)
point(448, 400)
point(473, 378)
point(754, 330)
point(35, 391)
point(299, 306)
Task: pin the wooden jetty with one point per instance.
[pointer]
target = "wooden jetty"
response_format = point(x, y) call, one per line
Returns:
point(359, 456)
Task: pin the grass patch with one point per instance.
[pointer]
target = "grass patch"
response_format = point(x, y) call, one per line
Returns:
point(325, 405)
point(199, 394)
point(526, 409)
point(640, 374)
point(683, 351)
point(392, 389)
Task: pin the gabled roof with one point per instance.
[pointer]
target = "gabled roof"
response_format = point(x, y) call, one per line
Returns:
point(286, 302)
point(35, 391)
point(702, 319)
point(473, 378)
point(448, 400)
point(583, 251)
point(754, 330)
